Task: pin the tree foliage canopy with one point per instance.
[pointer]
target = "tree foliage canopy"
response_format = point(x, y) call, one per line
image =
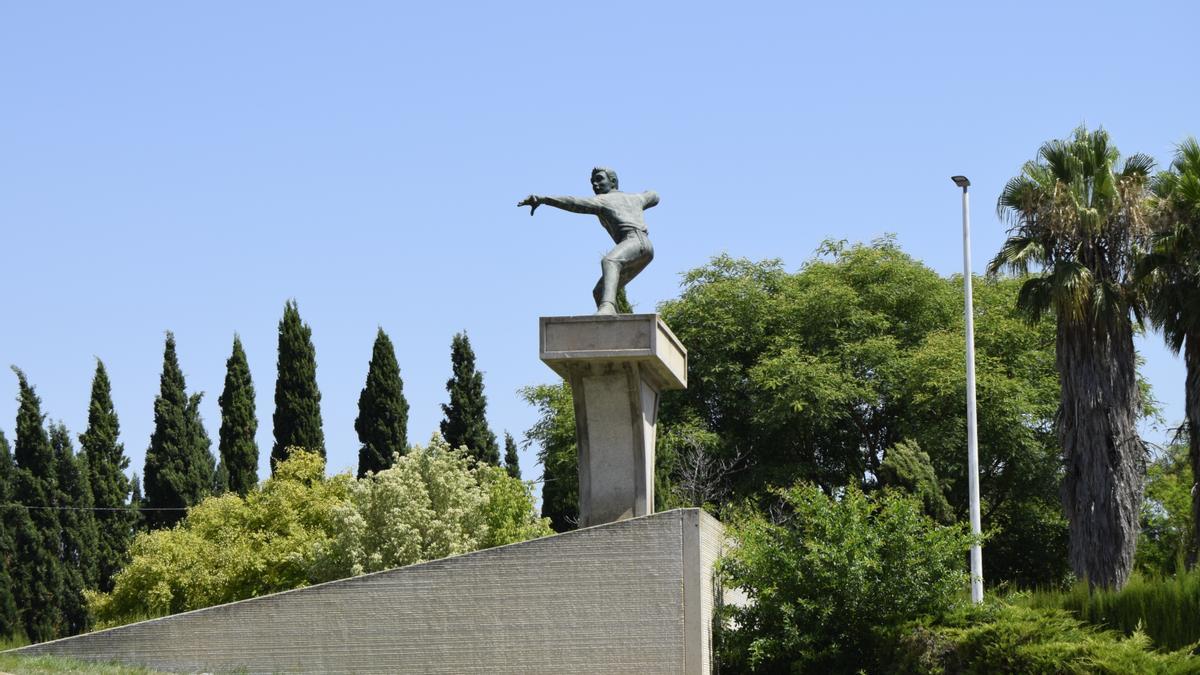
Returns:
point(179, 467)
point(237, 445)
point(10, 625)
point(465, 422)
point(816, 375)
point(77, 525)
point(382, 422)
point(297, 417)
point(37, 577)
point(106, 464)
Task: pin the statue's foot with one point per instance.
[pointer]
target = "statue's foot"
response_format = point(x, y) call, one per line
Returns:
point(606, 309)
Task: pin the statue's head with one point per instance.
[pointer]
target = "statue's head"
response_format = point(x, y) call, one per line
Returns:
point(604, 180)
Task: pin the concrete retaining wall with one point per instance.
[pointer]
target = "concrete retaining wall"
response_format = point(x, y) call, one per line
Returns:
point(635, 596)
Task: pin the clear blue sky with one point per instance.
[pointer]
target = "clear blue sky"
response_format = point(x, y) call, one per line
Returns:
point(191, 166)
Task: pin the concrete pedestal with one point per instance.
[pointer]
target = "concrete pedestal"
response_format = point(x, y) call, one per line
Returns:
point(617, 366)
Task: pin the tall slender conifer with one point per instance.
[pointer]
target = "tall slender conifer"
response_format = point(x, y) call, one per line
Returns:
point(10, 625)
point(77, 547)
point(38, 574)
point(239, 450)
point(179, 468)
point(465, 420)
point(297, 418)
point(382, 422)
point(107, 464)
point(136, 502)
point(512, 462)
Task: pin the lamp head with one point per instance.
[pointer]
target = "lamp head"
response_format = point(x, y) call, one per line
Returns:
point(960, 181)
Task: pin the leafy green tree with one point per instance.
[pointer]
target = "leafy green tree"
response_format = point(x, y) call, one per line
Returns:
point(239, 449)
point(1167, 525)
point(10, 620)
point(382, 422)
point(554, 433)
point(906, 466)
point(465, 420)
point(1171, 270)
point(1076, 217)
point(38, 575)
point(828, 583)
point(297, 418)
point(817, 375)
point(107, 463)
point(179, 467)
point(78, 545)
point(512, 462)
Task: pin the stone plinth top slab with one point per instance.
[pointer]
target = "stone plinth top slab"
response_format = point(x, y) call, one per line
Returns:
point(641, 338)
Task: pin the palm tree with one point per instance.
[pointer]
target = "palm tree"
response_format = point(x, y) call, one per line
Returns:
point(1171, 274)
point(1077, 221)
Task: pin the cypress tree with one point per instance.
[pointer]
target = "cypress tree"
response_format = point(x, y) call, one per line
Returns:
point(297, 418)
point(136, 502)
point(239, 450)
point(77, 548)
point(220, 479)
point(10, 626)
point(382, 422)
point(107, 464)
point(38, 574)
point(512, 464)
point(179, 467)
point(623, 304)
point(466, 414)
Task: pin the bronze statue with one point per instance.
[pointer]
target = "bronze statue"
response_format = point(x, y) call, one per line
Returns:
point(621, 214)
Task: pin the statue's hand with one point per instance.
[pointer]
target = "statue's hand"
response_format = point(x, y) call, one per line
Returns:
point(532, 202)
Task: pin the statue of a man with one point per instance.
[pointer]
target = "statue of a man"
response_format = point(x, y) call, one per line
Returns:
point(621, 214)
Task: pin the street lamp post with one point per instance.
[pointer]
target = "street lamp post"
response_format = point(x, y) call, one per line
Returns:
point(972, 436)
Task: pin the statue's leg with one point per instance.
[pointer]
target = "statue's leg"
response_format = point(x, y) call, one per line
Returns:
point(622, 264)
point(605, 292)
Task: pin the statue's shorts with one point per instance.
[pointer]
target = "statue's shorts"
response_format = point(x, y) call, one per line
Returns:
point(632, 254)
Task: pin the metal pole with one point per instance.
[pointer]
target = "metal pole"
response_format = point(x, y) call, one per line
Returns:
point(972, 437)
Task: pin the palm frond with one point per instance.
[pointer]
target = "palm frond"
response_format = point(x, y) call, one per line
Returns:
point(1071, 289)
point(1138, 165)
point(1035, 297)
point(1017, 255)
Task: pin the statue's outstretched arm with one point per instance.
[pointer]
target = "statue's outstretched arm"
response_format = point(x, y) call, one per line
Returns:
point(650, 198)
point(573, 204)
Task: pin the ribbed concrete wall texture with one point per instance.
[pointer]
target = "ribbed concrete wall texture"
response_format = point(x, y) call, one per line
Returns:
point(635, 596)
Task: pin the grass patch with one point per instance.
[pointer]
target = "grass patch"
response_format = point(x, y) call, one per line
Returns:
point(1165, 609)
point(20, 665)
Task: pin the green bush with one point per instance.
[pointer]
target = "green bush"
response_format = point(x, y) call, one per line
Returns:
point(828, 578)
point(433, 502)
point(1001, 638)
point(229, 547)
point(1166, 609)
